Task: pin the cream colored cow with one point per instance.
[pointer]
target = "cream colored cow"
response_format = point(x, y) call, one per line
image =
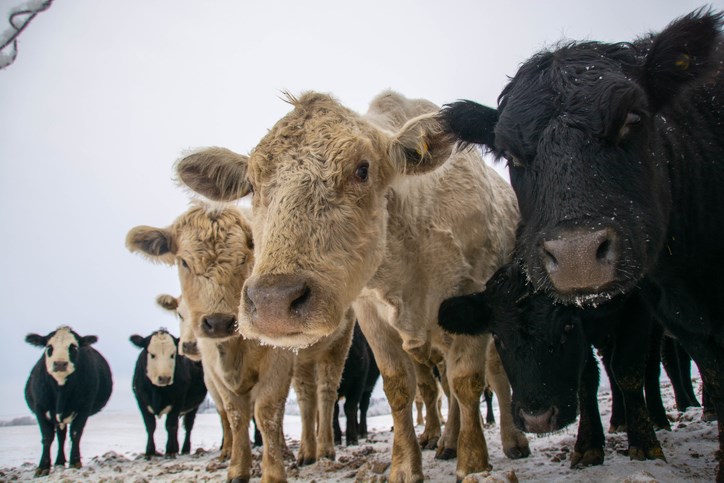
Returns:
point(378, 212)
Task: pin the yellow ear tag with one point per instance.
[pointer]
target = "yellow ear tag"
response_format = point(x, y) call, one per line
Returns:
point(682, 63)
point(422, 150)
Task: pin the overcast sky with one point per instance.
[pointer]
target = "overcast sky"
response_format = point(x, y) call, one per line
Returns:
point(105, 95)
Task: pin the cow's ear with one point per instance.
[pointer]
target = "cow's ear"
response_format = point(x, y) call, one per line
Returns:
point(36, 340)
point(157, 244)
point(680, 54)
point(421, 145)
point(465, 315)
point(87, 340)
point(167, 302)
point(216, 173)
point(470, 122)
point(138, 341)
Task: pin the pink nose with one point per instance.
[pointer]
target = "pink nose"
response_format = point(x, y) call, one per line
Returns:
point(579, 260)
point(541, 421)
point(278, 304)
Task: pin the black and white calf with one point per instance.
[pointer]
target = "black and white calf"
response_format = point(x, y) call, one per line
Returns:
point(70, 382)
point(166, 383)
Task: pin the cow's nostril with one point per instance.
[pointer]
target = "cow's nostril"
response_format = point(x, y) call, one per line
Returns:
point(605, 252)
point(298, 303)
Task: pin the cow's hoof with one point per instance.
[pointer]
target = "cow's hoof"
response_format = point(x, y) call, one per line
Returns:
point(590, 457)
point(239, 479)
point(42, 472)
point(617, 428)
point(59, 464)
point(170, 456)
point(517, 452)
point(446, 453)
point(306, 461)
point(352, 442)
point(428, 443)
point(708, 415)
point(641, 454)
point(77, 465)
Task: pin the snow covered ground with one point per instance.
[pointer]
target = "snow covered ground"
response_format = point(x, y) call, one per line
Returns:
point(113, 443)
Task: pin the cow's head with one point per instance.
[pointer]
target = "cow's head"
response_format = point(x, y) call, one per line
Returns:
point(61, 351)
point(213, 250)
point(578, 127)
point(187, 345)
point(541, 345)
point(321, 182)
point(160, 348)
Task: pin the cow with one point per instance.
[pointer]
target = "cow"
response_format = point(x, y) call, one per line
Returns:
point(614, 152)
point(214, 249)
point(165, 384)
point(546, 351)
point(70, 382)
point(350, 209)
point(359, 376)
point(243, 371)
point(189, 348)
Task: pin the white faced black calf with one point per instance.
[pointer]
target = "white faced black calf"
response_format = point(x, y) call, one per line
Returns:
point(70, 382)
point(166, 383)
point(615, 154)
point(546, 352)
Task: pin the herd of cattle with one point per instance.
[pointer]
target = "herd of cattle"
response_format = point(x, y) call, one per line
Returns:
point(609, 235)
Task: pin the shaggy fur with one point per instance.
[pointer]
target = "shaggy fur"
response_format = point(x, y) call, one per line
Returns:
point(377, 212)
point(626, 139)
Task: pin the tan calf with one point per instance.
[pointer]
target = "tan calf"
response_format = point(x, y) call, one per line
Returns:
point(213, 250)
point(380, 213)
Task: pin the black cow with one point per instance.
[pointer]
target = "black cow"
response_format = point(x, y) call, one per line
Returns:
point(546, 352)
point(70, 382)
point(359, 377)
point(615, 153)
point(165, 382)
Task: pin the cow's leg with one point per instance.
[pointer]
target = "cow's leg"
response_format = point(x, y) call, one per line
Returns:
point(427, 387)
point(76, 433)
point(47, 430)
point(337, 429)
point(677, 365)
point(226, 439)
point(628, 364)
point(515, 443)
point(364, 405)
point(189, 419)
point(590, 442)
point(329, 372)
point(149, 421)
point(448, 444)
point(351, 404)
point(60, 434)
point(238, 410)
point(273, 389)
point(465, 365)
point(617, 423)
point(257, 434)
point(398, 379)
point(419, 419)
point(652, 386)
point(305, 388)
point(488, 397)
point(172, 434)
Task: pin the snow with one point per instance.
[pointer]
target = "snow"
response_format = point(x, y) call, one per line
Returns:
point(113, 443)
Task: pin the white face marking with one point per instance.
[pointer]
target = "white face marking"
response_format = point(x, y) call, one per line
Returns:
point(57, 355)
point(47, 415)
point(161, 359)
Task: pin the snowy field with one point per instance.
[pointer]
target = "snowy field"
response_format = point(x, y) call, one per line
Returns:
point(113, 444)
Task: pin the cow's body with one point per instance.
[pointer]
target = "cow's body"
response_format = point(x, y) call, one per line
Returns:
point(69, 383)
point(338, 220)
point(157, 395)
point(615, 154)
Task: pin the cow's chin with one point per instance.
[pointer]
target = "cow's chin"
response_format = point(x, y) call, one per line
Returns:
point(288, 340)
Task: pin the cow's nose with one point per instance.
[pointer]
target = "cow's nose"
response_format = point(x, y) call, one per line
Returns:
point(164, 380)
point(219, 325)
point(581, 261)
point(278, 304)
point(189, 348)
point(544, 421)
point(60, 366)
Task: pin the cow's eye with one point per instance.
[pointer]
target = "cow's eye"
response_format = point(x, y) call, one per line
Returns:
point(568, 327)
point(153, 356)
point(251, 186)
point(73, 349)
point(173, 355)
point(180, 317)
point(49, 350)
point(184, 264)
point(362, 172)
point(512, 161)
point(498, 341)
point(632, 120)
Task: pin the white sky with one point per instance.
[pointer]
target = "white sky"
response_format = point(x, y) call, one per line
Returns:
point(104, 96)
